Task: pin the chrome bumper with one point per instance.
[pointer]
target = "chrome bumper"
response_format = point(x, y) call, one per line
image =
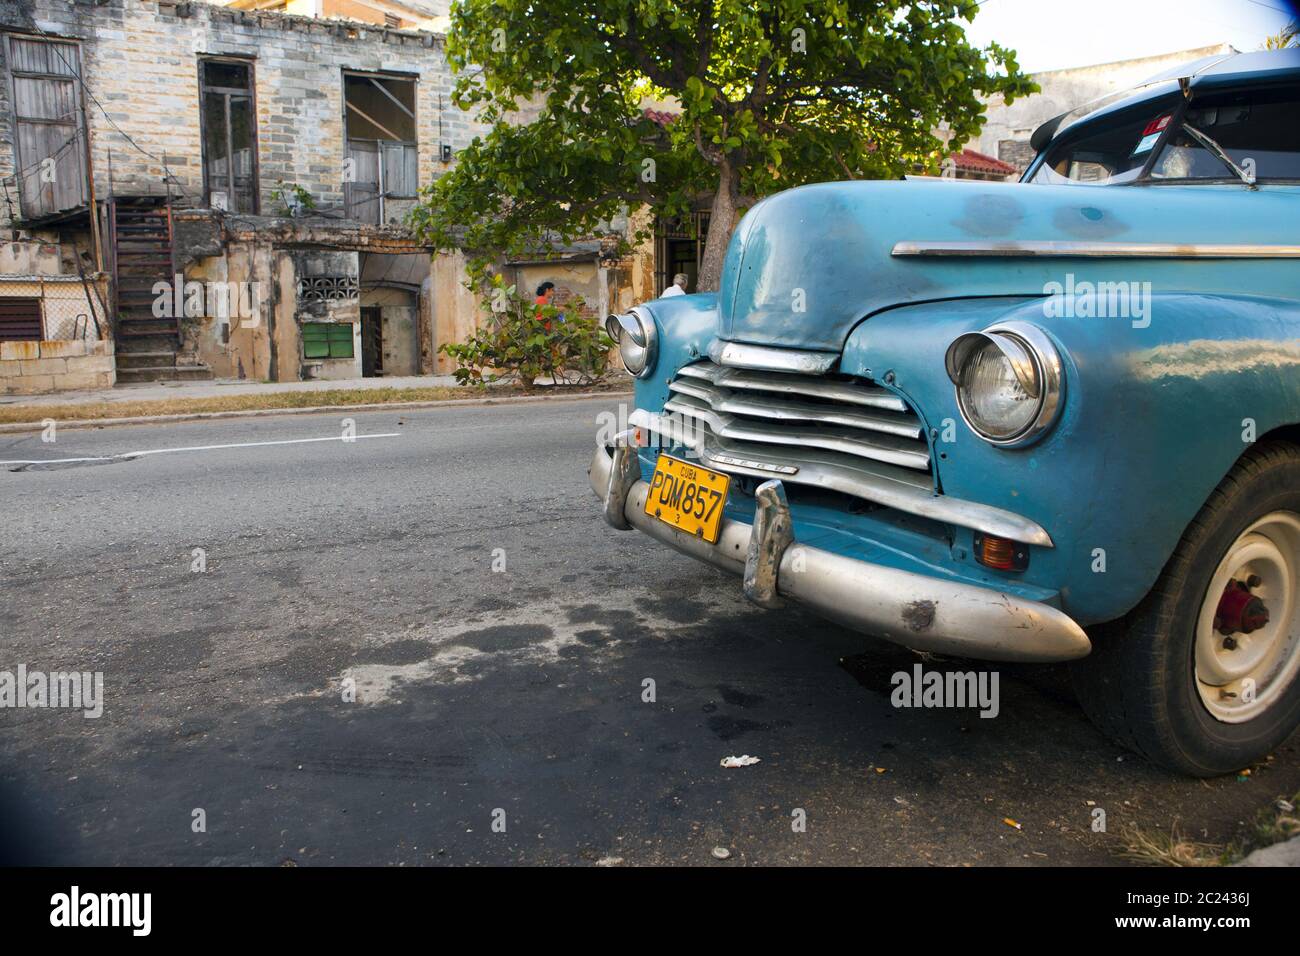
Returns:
point(914, 610)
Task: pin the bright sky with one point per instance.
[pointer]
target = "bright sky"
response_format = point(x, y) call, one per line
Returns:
point(1053, 34)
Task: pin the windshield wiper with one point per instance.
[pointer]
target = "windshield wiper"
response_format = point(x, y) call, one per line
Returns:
point(1220, 154)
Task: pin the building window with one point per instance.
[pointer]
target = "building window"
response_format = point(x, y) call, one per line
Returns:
point(20, 320)
point(44, 77)
point(382, 150)
point(392, 21)
point(321, 340)
point(229, 125)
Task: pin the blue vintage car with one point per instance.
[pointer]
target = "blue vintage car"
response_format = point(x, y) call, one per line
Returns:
point(1056, 420)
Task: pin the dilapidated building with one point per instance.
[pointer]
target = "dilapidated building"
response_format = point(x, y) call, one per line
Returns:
point(190, 190)
point(193, 191)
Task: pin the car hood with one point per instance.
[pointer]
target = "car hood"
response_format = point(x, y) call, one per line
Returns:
point(805, 266)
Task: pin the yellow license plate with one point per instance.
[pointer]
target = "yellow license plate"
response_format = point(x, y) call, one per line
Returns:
point(688, 497)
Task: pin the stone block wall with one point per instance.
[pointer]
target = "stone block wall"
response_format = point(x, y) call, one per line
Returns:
point(30, 368)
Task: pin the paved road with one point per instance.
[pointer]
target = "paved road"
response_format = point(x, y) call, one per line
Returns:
point(478, 691)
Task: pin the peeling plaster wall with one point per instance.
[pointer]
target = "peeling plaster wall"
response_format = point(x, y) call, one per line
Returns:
point(285, 332)
point(31, 258)
point(277, 254)
point(636, 279)
point(571, 279)
point(427, 330)
point(455, 310)
point(236, 345)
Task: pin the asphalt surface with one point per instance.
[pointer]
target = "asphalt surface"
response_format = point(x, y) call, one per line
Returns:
point(512, 695)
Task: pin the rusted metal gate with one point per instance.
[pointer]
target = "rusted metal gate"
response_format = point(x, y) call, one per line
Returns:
point(45, 89)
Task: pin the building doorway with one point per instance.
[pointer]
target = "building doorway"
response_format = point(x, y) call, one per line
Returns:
point(679, 247)
point(394, 330)
point(372, 341)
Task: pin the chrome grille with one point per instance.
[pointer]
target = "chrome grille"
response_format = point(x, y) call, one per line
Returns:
point(745, 413)
point(835, 433)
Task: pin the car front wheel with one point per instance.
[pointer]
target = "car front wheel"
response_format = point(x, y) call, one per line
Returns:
point(1202, 677)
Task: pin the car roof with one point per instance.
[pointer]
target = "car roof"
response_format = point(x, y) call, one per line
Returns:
point(1256, 66)
point(1228, 69)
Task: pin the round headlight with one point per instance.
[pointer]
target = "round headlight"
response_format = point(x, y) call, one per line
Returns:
point(635, 334)
point(1008, 381)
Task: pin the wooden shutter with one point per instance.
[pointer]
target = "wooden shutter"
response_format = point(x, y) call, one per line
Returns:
point(400, 170)
point(361, 194)
point(46, 95)
point(20, 320)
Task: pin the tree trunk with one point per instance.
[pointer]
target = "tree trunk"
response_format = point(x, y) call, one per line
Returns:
point(722, 220)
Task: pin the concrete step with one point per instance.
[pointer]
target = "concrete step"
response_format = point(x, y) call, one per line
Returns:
point(135, 344)
point(163, 373)
point(146, 322)
point(151, 359)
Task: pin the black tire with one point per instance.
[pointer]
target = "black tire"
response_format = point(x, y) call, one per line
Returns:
point(1138, 684)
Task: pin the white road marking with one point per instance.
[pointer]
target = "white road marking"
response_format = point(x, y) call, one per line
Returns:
point(125, 456)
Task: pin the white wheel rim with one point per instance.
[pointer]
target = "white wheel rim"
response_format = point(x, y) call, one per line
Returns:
point(1238, 683)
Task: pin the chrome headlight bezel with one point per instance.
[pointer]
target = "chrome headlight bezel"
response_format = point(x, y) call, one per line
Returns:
point(638, 342)
point(1036, 364)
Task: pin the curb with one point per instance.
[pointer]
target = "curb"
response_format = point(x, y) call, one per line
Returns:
point(12, 427)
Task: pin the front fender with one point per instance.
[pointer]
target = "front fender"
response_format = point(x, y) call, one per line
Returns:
point(1154, 417)
point(685, 325)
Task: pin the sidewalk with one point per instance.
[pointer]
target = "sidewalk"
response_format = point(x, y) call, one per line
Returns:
point(169, 391)
point(185, 401)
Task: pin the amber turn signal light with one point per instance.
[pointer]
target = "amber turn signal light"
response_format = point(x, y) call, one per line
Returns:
point(1003, 554)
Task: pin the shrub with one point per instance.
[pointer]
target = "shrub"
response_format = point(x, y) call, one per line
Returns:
point(524, 341)
point(290, 199)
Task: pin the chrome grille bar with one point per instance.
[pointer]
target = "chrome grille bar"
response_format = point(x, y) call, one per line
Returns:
point(886, 448)
point(849, 393)
point(855, 419)
point(794, 411)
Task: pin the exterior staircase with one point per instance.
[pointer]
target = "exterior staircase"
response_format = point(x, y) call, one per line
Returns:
point(147, 347)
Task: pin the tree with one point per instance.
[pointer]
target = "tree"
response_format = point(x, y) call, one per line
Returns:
point(769, 94)
point(1289, 37)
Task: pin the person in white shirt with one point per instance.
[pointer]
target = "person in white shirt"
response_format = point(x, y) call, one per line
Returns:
point(678, 287)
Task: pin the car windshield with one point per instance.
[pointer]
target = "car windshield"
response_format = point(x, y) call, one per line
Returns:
point(1112, 150)
point(1256, 129)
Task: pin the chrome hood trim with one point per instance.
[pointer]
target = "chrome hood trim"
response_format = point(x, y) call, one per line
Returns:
point(765, 359)
point(1052, 249)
